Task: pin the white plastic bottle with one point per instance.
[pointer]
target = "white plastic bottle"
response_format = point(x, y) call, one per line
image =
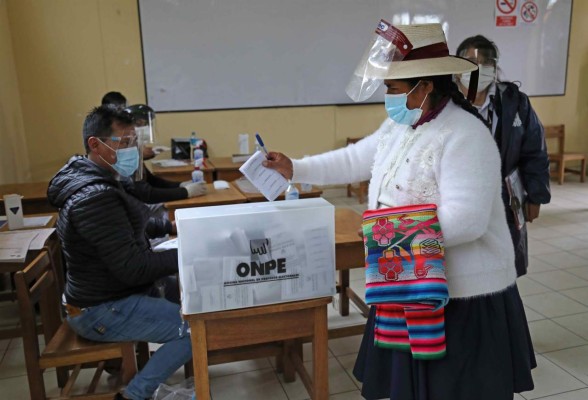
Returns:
point(197, 175)
point(198, 155)
point(292, 192)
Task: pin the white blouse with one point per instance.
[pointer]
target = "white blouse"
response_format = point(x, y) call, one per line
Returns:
point(451, 161)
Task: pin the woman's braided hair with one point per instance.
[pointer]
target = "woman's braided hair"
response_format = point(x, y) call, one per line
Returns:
point(443, 86)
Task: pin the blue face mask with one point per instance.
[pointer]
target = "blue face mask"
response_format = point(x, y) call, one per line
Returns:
point(398, 112)
point(127, 160)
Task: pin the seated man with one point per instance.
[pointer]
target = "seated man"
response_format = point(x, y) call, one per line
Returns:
point(113, 290)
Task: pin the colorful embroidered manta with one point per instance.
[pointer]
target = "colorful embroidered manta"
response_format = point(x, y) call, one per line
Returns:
point(405, 278)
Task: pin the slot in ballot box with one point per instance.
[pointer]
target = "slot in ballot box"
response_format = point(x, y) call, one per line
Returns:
point(253, 254)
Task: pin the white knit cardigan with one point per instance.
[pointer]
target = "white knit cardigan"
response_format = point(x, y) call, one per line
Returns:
point(451, 161)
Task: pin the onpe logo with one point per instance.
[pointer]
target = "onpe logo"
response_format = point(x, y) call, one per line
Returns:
point(262, 262)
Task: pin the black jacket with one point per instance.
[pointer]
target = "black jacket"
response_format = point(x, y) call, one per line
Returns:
point(102, 229)
point(521, 142)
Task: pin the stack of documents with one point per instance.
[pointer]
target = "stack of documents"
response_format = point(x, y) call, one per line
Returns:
point(14, 245)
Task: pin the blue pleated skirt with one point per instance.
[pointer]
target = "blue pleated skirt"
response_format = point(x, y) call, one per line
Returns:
point(489, 356)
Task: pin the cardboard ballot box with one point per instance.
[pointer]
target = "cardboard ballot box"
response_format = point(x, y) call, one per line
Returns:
point(253, 254)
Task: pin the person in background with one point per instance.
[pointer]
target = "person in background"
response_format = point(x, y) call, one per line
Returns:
point(152, 189)
point(434, 148)
point(114, 98)
point(111, 293)
point(517, 132)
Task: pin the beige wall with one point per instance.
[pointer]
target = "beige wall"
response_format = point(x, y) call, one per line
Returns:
point(14, 164)
point(68, 53)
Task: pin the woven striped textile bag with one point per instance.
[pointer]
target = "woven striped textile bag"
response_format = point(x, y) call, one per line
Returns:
point(405, 278)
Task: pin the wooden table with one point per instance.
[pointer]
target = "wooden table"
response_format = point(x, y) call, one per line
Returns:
point(178, 174)
point(260, 332)
point(255, 197)
point(212, 198)
point(225, 169)
point(349, 254)
point(54, 248)
point(34, 199)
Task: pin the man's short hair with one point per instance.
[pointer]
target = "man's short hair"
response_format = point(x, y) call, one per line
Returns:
point(100, 119)
point(115, 98)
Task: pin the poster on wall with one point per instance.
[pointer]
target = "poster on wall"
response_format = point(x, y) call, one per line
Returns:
point(529, 12)
point(505, 13)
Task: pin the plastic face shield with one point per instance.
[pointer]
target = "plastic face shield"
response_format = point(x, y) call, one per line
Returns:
point(388, 45)
point(145, 131)
point(128, 139)
point(482, 57)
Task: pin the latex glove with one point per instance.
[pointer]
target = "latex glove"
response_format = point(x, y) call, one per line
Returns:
point(196, 189)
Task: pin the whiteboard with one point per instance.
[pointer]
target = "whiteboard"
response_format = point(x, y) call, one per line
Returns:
point(227, 54)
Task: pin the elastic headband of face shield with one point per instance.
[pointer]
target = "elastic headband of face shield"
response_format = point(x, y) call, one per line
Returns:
point(388, 46)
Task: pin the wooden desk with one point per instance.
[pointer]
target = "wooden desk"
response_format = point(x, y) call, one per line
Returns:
point(34, 199)
point(178, 174)
point(261, 332)
point(255, 197)
point(225, 169)
point(54, 248)
point(212, 198)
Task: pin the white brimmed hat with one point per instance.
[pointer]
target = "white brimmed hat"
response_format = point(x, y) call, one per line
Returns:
point(429, 56)
point(403, 52)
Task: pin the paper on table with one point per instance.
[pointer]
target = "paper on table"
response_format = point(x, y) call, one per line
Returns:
point(14, 245)
point(41, 237)
point(31, 222)
point(169, 163)
point(269, 182)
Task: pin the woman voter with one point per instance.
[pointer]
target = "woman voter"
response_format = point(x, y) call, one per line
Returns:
point(435, 148)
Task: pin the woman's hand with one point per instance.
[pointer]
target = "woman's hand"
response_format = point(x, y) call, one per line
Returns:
point(279, 162)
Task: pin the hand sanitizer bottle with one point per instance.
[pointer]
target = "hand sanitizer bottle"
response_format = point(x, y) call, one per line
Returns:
point(292, 192)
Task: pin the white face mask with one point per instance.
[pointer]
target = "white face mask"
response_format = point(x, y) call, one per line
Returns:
point(487, 76)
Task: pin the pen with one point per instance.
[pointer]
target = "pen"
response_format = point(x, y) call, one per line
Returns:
point(258, 138)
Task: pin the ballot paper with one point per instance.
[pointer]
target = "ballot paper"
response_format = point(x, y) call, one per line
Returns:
point(269, 182)
point(166, 245)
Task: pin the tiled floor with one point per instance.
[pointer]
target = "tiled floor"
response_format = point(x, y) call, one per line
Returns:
point(555, 294)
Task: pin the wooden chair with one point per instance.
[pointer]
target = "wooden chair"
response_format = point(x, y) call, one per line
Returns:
point(360, 189)
point(64, 349)
point(559, 158)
